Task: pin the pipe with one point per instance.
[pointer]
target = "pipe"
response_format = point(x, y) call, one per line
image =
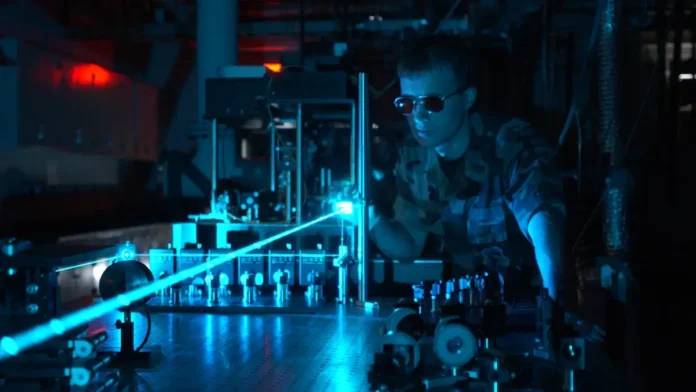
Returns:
point(362, 176)
point(288, 196)
point(273, 155)
point(322, 181)
point(616, 233)
point(216, 46)
point(298, 177)
point(216, 41)
point(213, 170)
point(303, 34)
point(581, 139)
point(608, 100)
point(353, 144)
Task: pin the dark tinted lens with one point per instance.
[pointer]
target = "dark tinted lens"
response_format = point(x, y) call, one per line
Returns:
point(404, 105)
point(433, 104)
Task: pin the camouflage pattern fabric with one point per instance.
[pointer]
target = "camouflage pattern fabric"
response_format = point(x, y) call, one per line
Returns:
point(507, 169)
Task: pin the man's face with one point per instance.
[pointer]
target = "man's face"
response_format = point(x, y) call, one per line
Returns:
point(433, 129)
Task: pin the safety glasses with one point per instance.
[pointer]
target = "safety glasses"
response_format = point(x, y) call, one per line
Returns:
point(406, 104)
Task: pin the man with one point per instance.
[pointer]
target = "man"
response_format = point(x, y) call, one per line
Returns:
point(461, 172)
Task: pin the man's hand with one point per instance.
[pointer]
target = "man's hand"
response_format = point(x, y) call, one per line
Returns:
point(352, 218)
point(352, 211)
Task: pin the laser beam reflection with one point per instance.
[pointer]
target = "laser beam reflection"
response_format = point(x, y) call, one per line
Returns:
point(13, 345)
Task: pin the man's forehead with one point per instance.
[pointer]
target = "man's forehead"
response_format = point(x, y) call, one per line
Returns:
point(440, 81)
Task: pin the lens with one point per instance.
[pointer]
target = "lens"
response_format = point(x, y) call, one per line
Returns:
point(404, 105)
point(433, 104)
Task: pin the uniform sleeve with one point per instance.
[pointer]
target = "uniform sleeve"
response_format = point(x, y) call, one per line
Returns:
point(533, 183)
point(406, 205)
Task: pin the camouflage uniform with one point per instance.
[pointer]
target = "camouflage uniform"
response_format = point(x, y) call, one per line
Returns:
point(506, 175)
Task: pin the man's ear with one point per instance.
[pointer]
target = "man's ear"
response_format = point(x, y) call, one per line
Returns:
point(469, 97)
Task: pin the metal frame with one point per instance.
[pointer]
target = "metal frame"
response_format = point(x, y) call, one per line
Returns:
point(359, 169)
point(298, 170)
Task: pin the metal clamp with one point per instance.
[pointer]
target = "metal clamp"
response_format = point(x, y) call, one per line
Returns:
point(342, 262)
point(571, 359)
point(615, 276)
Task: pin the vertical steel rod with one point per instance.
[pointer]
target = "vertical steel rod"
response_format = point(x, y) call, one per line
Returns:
point(353, 144)
point(288, 196)
point(273, 155)
point(363, 155)
point(298, 178)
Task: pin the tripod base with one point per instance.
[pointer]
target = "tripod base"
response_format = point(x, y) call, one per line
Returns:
point(139, 360)
point(134, 360)
point(129, 364)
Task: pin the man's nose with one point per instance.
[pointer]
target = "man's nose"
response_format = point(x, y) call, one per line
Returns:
point(420, 113)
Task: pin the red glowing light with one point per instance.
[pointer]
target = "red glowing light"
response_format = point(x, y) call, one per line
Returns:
point(90, 75)
point(274, 67)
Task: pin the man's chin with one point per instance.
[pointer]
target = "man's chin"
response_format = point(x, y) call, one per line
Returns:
point(427, 142)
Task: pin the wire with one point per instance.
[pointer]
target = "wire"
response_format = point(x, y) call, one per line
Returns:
point(377, 94)
point(148, 316)
point(583, 73)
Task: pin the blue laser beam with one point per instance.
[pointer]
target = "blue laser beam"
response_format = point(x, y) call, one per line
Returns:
point(262, 255)
point(13, 345)
point(125, 252)
point(86, 264)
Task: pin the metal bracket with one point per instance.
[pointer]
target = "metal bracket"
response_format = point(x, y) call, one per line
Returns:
point(615, 276)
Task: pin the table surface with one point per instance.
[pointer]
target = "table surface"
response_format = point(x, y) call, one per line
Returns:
point(328, 349)
point(258, 352)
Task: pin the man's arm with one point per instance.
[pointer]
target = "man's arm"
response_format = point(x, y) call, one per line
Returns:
point(547, 232)
point(535, 196)
point(402, 237)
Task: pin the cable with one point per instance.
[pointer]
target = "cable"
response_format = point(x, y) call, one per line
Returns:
point(148, 316)
point(379, 93)
point(13, 345)
point(583, 72)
